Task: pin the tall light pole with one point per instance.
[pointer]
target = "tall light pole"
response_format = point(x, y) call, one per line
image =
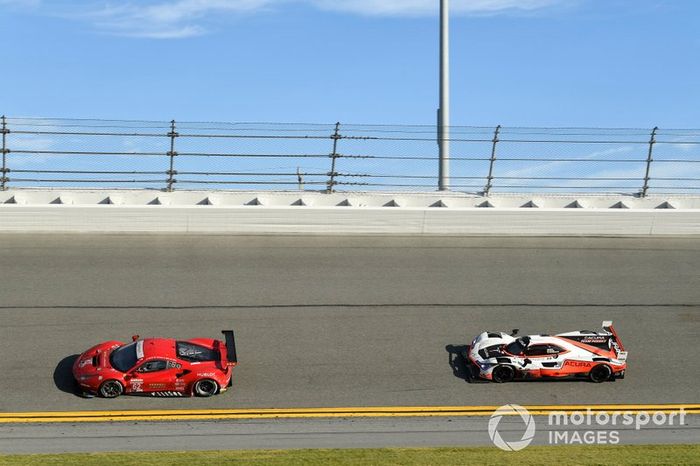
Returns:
point(444, 110)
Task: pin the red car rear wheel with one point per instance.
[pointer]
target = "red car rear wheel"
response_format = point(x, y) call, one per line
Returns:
point(206, 387)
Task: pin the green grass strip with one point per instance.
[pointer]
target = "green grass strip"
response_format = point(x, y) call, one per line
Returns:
point(619, 454)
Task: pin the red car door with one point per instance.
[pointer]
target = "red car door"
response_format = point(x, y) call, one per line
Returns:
point(154, 375)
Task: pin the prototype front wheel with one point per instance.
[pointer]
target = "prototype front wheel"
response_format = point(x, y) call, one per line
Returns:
point(206, 387)
point(503, 373)
point(600, 373)
point(111, 389)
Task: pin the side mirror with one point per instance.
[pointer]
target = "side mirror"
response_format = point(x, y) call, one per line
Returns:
point(527, 361)
point(134, 337)
point(514, 332)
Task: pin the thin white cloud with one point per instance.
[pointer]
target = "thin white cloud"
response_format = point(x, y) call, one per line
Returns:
point(558, 168)
point(163, 19)
point(430, 7)
point(685, 146)
point(626, 178)
point(18, 4)
point(21, 143)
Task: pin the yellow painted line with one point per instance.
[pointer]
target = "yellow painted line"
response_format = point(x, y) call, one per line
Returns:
point(347, 412)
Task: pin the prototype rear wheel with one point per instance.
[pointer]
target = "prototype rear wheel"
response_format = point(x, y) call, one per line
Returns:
point(503, 373)
point(600, 373)
point(206, 387)
point(111, 389)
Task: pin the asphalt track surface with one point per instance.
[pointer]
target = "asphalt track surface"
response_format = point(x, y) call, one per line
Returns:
point(346, 321)
point(316, 433)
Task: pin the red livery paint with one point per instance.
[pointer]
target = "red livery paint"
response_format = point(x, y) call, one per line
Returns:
point(157, 367)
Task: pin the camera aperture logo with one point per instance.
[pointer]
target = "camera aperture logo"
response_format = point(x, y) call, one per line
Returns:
point(512, 410)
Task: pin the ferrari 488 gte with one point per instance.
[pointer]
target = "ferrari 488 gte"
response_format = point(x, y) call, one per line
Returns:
point(157, 367)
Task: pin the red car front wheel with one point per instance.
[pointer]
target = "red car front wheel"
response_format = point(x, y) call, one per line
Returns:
point(111, 389)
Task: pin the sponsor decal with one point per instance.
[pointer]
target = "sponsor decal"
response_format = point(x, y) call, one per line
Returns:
point(205, 374)
point(578, 363)
point(136, 385)
point(594, 340)
point(166, 393)
point(139, 349)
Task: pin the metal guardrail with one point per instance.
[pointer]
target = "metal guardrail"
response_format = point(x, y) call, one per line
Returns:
point(42, 152)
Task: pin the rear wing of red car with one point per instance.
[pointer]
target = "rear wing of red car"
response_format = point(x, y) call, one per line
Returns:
point(617, 343)
point(231, 355)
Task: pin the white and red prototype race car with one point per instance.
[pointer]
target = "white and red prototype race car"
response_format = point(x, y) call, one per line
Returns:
point(502, 357)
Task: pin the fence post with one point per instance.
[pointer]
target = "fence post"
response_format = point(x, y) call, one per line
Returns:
point(489, 178)
point(300, 179)
point(334, 155)
point(171, 153)
point(5, 151)
point(652, 141)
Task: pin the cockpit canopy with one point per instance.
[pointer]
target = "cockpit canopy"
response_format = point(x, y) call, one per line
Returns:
point(518, 345)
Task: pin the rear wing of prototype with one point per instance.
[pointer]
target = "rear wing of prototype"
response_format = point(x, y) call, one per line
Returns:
point(231, 355)
point(617, 343)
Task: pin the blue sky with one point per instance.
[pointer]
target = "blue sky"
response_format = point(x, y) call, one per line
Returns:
point(596, 63)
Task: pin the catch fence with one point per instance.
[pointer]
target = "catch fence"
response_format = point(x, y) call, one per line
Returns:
point(44, 152)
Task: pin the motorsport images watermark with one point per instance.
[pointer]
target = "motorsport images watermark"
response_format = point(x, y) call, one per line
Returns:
point(576, 427)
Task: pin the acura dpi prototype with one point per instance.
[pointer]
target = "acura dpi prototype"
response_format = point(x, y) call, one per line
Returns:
point(501, 357)
point(157, 367)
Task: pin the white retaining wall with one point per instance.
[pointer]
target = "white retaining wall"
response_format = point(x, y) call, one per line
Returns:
point(357, 213)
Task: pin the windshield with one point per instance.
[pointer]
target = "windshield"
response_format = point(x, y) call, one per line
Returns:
point(515, 347)
point(124, 358)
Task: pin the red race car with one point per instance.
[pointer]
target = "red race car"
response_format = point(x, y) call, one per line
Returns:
point(157, 367)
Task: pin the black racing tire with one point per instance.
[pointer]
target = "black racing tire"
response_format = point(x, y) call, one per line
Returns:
point(600, 373)
point(111, 389)
point(503, 373)
point(205, 387)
